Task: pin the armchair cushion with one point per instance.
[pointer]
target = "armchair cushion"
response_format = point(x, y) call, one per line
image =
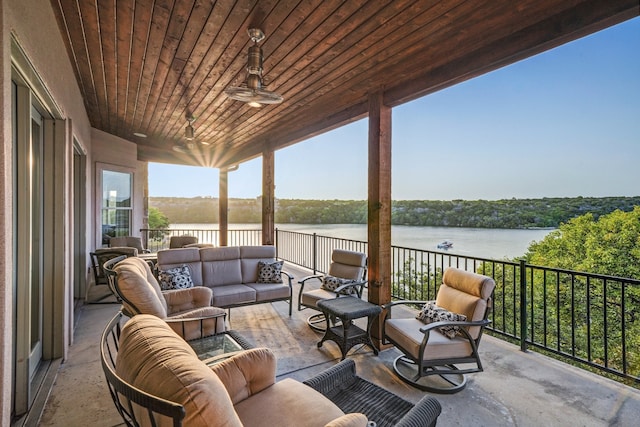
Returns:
point(175, 278)
point(287, 403)
point(138, 285)
point(350, 420)
point(431, 313)
point(269, 272)
point(163, 364)
point(247, 373)
point(186, 299)
point(331, 283)
point(406, 333)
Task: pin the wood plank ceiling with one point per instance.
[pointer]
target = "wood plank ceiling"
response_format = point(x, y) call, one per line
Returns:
point(144, 65)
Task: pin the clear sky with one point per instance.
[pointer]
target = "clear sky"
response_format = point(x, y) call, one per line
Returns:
point(564, 123)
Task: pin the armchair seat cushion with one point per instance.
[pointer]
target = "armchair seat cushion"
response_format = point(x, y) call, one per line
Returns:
point(311, 298)
point(406, 333)
point(305, 406)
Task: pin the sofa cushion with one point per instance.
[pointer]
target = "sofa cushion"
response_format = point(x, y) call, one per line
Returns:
point(221, 266)
point(269, 272)
point(249, 258)
point(175, 278)
point(270, 291)
point(170, 258)
point(153, 358)
point(224, 296)
point(139, 289)
point(287, 403)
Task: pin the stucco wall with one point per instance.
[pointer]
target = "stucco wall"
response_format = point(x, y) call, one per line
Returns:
point(33, 25)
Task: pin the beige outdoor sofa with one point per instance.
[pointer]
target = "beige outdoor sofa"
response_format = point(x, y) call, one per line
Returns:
point(232, 273)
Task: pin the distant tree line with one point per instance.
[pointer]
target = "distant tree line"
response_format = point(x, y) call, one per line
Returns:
point(507, 213)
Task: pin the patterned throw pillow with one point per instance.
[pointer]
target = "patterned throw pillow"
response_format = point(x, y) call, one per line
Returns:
point(175, 278)
point(432, 313)
point(270, 272)
point(331, 283)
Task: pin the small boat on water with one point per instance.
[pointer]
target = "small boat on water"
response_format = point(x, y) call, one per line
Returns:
point(447, 244)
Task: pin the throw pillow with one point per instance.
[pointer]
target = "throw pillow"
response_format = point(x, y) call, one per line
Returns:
point(430, 313)
point(270, 272)
point(175, 278)
point(331, 283)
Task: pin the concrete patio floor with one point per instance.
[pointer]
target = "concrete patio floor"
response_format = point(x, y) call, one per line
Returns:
point(516, 388)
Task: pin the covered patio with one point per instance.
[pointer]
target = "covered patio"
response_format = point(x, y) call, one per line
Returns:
point(92, 88)
point(516, 388)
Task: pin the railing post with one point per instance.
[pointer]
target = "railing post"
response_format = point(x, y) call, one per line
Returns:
point(523, 305)
point(276, 236)
point(315, 252)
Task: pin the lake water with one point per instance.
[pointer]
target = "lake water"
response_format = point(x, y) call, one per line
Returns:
point(480, 242)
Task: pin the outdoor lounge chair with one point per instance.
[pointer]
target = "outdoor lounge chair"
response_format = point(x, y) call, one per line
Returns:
point(434, 351)
point(347, 276)
point(188, 311)
point(155, 378)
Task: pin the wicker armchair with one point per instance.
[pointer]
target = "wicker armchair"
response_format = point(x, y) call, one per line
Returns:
point(352, 393)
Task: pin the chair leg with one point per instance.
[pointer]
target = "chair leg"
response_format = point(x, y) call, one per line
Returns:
point(432, 379)
point(317, 322)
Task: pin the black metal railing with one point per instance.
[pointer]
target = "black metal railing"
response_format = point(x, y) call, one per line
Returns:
point(591, 320)
point(158, 239)
point(311, 250)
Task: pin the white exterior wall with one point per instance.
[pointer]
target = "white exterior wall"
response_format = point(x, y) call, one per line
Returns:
point(33, 25)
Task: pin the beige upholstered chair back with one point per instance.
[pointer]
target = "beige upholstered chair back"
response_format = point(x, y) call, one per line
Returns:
point(348, 264)
point(154, 359)
point(466, 293)
point(139, 289)
point(130, 241)
point(181, 241)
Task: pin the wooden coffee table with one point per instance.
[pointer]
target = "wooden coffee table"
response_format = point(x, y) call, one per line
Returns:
point(347, 309)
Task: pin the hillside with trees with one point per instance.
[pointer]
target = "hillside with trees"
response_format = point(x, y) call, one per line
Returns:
point(507, 213)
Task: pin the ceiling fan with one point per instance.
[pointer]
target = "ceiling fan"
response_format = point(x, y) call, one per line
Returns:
point(189, 136)
point(252, 91)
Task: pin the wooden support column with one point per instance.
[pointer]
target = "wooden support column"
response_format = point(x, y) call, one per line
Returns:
point(268, 197)
point(379, 208)
point(223, 207)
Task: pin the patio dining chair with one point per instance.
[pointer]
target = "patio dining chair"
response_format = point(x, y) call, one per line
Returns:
point(129, 241)
point(346, 277)
point(98, 258)
point(440, 343)
point(181, 241)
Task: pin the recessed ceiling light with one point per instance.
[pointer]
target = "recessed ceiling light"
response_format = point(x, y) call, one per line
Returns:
point(140, 134)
